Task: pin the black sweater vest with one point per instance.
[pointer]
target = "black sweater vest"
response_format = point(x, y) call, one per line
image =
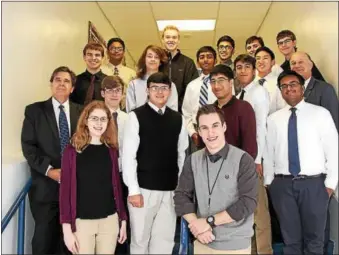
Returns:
point(157, 155)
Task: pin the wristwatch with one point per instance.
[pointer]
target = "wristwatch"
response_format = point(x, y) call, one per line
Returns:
point(210, 221)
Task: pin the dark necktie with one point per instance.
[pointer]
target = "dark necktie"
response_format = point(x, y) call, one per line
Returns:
point(115, 118)
point(242, 95)
point(293, 150)
point(63, 129)
point(160, 112)
point(203, 99)
point(262, 81)
point(116, 71)
point(214, 158)
point(90, 91)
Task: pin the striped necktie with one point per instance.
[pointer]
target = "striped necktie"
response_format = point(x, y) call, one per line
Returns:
point(63, 129)
point(262, 81)
point(203, 100)
point(116, 71)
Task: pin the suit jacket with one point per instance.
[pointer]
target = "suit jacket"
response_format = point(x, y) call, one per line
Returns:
point(41, 146)
point(323, 94)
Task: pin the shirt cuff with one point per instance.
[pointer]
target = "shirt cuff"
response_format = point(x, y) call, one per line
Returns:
point(133, 190)
point(258, 160)
point(48, 168)
point(330, 183)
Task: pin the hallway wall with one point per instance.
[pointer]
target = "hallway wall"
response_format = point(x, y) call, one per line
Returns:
point(315, 25)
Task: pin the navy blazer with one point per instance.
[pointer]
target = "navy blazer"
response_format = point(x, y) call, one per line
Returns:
point(323, 94)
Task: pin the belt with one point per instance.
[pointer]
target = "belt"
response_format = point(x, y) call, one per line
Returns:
point(298, 177)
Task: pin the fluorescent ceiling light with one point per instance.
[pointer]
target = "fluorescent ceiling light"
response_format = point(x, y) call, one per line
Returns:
point(188, 25)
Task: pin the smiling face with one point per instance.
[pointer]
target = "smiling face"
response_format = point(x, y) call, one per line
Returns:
point(158, 94)
point(301, 64)
point(245, 72)
point(61, 86)
point(93, 59)
point(286, 46)
point(221, 86)
point(264, 62)
point(212, 131)
point(171, 40)
point(152, 61)
point(291, 90)
point(252, 47)
point(206, 61)
point(97, 123)
point(225, 51)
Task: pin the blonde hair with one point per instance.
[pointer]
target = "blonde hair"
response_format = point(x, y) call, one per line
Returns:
point(170, 27)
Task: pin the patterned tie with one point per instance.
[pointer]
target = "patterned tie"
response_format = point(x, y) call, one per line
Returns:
point(90, 91)
point(203, 100)
point(63, 129)
point(242, 94)
point(116, 71)
point(115, 118)
point(293, 151)
point(160, 112)
point(262, 81)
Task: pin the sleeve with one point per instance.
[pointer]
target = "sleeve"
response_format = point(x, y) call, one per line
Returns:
point(247, 190)
point(248, 131)
point(65, 187)
point(261, 110)
point(129, 155)
point(329, 101)
point(173, 99)
point(329, 138)
point(29, 143)
point(269, 152)
point(190, 73)
point(187, 111)
point(130, 97)
point(182, 146)
point(184, 193)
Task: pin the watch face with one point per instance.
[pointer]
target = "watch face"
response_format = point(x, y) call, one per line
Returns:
point(210, 219)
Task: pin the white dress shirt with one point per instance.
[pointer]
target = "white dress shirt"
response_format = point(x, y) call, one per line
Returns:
point(259, 99)
point(137, 96)
point(271, 84)
point(121, 119)
point(307, 82)
point(317, 143)
point(130, 147)
point(190, 105)
point(56, 109)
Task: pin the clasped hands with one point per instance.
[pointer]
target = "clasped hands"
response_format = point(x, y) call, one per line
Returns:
point(201, 230)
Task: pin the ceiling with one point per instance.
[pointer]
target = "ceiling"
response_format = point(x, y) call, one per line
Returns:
point(135, 22)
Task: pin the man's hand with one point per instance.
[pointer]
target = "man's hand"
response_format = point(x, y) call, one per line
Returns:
point(258, 168)
point(54, 173)
point(195, 138)
point(136, 200)
point(329, 191)
point(199, 226)
point(206, 237)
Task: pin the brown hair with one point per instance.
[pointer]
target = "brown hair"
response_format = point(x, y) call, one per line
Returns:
point(142, 60)
point(94, 46)
point(82, 138)
point(64, 69)
point(170, 27)
point(111, 82)
point(209, 109)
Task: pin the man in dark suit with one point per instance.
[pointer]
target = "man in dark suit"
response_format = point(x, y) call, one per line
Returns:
point(47, 128)
point(316, 92)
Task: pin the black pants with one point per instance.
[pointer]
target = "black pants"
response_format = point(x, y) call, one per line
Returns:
point(48, 236)
point(124, 248)
point(301, 206)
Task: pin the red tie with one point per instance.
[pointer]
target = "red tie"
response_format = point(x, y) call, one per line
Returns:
point(90, 91)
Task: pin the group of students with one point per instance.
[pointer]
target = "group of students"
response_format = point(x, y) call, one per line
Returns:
point(118, 155)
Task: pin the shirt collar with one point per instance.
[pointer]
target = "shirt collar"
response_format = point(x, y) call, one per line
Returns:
point(249, 86)
point(228, 62)
point(117, 110)
point(229, 103)
point(97, 74)
point(110, 65)
point(267, 77)
point(56, 104)
point(307, 82)
point(155, 108)
point(222, 153)
point(299, 106)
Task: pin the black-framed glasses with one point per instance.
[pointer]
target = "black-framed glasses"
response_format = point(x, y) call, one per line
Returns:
point(218, 81)
point(280, 43)
point(225, 47)
point(292, 85)
point(96, 119)
point(159, 88)
point(113, 91)
point(116, 49)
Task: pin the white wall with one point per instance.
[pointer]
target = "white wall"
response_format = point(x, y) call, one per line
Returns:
point(315, 25)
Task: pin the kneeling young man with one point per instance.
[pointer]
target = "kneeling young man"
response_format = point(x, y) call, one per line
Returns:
point(217, 190)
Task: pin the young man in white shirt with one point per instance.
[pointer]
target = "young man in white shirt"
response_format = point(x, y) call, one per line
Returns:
point(265, 60)
point(258, 97)
point(154, 145)
point(301, 167)
point(199, 93)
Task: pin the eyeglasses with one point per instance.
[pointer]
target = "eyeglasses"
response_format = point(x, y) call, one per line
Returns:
point(225, 47)
point(116, 91)
point(160, 88)
point(281, 43)
point(292, 85)
point(97, 119)
point(116, 49)
point(218, 81)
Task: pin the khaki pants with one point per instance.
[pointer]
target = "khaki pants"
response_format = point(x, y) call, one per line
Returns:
point(153, 226)
point(97, 236)
point(200, 248)
point(262, 239)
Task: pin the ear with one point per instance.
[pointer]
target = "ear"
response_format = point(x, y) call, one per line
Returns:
point(72, 89)
point(102, 93)
point(273, 62)
point(224, 127)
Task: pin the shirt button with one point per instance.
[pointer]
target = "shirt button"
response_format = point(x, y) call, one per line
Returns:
point(227, 176)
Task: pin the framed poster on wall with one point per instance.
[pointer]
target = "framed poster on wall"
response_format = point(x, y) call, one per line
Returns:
point(94, 36)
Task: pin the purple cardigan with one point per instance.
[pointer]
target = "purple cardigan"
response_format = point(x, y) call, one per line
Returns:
point(68, 187)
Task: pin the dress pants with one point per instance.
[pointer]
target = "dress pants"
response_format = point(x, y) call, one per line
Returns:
point(153, 226)
point(200, 248)
point(47, 236)
point(301, 206)
point(262, 238)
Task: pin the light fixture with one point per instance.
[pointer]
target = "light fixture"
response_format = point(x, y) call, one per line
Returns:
point(188, 25)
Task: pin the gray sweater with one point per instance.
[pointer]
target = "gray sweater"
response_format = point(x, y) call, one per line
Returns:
point(235, 191)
